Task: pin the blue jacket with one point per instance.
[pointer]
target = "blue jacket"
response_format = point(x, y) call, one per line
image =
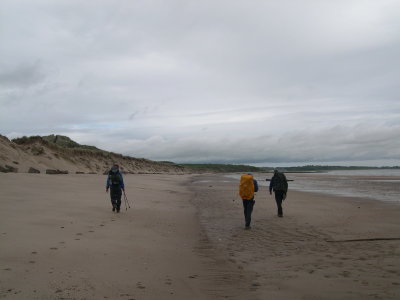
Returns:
point(121, 182)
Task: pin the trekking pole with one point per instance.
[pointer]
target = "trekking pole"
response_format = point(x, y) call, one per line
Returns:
point(126, 202)
point(126, 208)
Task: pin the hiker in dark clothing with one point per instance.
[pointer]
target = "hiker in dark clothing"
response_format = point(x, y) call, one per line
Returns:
point(279, 185)
point(115, 183)
point(248, 204)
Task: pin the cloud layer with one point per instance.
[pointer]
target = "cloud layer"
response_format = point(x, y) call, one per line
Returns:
point(209, 81)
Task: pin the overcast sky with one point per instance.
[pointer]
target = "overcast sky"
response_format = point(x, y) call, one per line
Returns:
point(261, 82)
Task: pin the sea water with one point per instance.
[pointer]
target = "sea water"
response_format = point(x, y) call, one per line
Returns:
point(377, 184)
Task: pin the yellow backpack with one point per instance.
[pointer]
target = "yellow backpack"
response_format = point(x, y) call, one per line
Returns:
point(246, 187)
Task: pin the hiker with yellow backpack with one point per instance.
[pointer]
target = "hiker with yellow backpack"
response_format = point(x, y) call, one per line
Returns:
point(248, 186)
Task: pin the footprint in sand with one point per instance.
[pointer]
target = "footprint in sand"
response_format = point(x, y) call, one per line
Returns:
point(345, 274)
point(79, 233)
point(53, 248)
point(91, 231)
point(32, 261)
point(7, 269)
point(139, 285)
point(33, 252)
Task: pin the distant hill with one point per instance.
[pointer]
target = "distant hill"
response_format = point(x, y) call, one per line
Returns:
point(319, 168)
point(229, 168)
point(56, 152)
point(222, 168)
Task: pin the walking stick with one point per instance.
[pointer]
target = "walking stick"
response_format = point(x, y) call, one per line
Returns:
point(126, 202)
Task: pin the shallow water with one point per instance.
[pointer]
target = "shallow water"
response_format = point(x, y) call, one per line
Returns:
point(382, 185)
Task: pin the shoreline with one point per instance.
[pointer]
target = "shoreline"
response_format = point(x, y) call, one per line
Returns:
point(383, 188)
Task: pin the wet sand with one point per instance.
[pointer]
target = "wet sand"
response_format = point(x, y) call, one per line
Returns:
point(184, 237)
point(304, 254)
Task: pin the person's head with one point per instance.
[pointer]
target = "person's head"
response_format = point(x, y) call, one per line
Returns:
point(115, 168)
point(276, 171)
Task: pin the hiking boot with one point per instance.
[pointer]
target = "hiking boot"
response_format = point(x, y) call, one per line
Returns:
point(117, 209)
point(113, 208)
point(280, 216)
point(247, 227)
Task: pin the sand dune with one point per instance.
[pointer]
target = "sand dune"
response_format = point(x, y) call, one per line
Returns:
point(41, 155)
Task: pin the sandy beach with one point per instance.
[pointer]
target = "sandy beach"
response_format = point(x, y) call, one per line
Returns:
point(184, 238)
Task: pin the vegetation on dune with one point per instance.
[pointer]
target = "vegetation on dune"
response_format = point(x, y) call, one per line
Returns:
point(59, 140)
point(66, 142)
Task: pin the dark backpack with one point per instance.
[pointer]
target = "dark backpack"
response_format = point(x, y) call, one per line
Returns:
point(279, 182)
point(114, 178)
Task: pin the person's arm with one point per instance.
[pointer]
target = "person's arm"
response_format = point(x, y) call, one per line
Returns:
point(255, 186)
point(271, 185)
point(107, 183)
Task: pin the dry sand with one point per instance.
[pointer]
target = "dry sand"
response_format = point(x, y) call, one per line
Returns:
point(183, 238)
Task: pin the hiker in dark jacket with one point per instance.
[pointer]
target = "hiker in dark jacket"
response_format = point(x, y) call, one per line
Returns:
point(115, 183)
point(279, 185)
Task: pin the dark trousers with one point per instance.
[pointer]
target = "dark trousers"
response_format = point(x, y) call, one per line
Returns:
point(279, 198)
point(115, 195)
point(248, 209)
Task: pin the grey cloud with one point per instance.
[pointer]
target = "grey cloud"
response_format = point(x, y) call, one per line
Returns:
point(22, 75)
point(205, 77)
